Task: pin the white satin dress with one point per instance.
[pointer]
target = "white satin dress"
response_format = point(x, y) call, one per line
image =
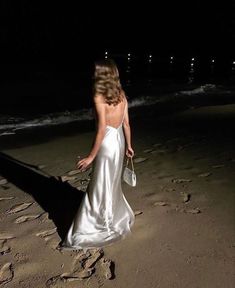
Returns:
point(104, 215)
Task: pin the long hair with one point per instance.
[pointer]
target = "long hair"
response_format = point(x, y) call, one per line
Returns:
point(107, 81)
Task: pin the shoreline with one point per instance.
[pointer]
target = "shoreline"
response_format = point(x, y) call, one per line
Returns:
point(137, 115)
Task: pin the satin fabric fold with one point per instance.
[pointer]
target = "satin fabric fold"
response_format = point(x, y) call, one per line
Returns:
point(104, 215)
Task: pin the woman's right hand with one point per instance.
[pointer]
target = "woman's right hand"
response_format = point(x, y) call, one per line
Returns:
point(84, 163)
point(129, 152)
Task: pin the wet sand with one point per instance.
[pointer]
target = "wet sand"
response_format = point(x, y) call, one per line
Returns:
point(184, 233)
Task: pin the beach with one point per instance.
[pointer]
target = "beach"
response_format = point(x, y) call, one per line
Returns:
point(184, 231)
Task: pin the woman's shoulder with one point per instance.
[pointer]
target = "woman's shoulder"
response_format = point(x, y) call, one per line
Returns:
point(124, 97)
point(99, 99)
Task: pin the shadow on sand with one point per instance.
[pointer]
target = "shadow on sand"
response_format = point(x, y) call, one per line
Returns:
point(59, 199)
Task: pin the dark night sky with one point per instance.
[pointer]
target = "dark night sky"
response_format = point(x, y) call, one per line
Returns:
point(64, 32)
point(179, 27)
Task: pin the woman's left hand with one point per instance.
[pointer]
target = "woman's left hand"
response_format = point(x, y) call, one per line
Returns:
point(84, 163)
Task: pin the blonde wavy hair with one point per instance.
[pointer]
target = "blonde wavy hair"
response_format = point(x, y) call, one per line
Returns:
point(107, 82)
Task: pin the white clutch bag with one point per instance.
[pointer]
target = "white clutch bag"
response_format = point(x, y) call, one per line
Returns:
point(129, 175)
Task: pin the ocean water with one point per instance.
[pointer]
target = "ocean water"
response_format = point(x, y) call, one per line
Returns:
point(49, 102)
point(10, 124)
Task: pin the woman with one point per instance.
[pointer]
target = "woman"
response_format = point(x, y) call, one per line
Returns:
point(104, 215)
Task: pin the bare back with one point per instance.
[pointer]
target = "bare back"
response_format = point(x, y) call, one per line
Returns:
point(115, 114)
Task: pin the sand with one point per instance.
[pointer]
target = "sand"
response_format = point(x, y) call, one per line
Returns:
point(184, 233)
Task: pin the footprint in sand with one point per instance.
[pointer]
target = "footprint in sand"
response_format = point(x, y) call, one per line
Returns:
point(205, 174)
point(80, 257)
point(138, 212)
point(3, 184)
point(182, 180)
point(85, 268)
point(3, 248)
point(91, 261)
point(18, 207)
point(160, 203)
point(44, 217)
point(41, 166)
point(3, 181)
point(69, 277)
point(46, 233)
point(6, 273)
point(139, 160)
point(66, 178)
point(78, 275)
point(186, 196)
point(26, 218)
point(6, 236)
point(218, 166)
point(108, 268)
point(6, 198)
point(73, 172)
point(193, 211)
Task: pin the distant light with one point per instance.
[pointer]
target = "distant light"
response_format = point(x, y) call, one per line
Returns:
point(172, 57)
point(233, 62)
point(150, 61)
point(128, 58)
point(106, 52)
point(106, 57)
point(129, 54)
point(213, 61)
point(150, 56)
point(192, 64)
point(193, 59)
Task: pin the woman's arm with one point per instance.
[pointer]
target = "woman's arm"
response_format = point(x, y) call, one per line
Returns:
point(100, 132)
point(127, 133)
